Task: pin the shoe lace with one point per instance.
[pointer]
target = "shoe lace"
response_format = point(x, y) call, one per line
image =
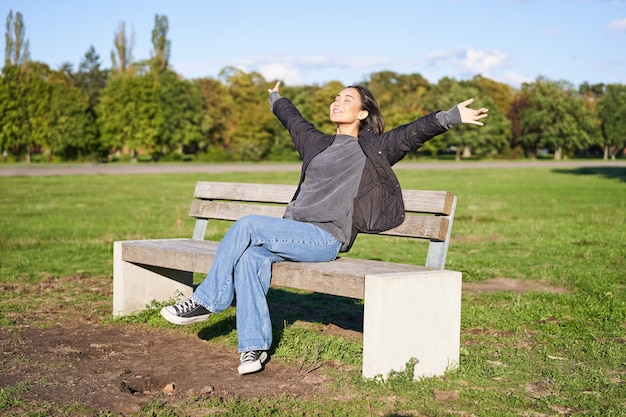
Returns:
point(249, 356)
point(185, 306)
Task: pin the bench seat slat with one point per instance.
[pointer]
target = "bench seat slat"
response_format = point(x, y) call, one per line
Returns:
point(424, 227)
point(344, 277)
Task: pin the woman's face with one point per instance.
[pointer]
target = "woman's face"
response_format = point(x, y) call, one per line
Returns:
point(346, 109)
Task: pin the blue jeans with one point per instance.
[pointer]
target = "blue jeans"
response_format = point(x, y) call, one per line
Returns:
point(243, 265)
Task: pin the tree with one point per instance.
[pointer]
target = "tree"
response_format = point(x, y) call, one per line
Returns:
point(215, 116)
point(70, 129)
point(162, 45)
point(90, 79)
point(179, 117)
point(248, 135)
point(467, 140)
point(555, 118)
point(611, 110)
point(24, 111)
point(122, 55)
point(594, 90)
point(400, 96)
point(128, 112)
point(16, 46)
point(500, 94)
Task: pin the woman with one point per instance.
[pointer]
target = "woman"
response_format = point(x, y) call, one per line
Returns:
point(346, 187)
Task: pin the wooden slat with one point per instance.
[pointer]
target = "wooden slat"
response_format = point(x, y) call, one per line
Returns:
point(180, 254)
point(222, 210)
point(268, 193)
point(422, 227)
point(344, 277)
point(424, 201)
point(419, 201)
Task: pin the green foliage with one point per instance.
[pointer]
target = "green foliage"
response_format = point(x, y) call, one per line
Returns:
point(128, 112)
point(16, 51)
point(467, 140)
point(611, 110)
point(162, 45)
point(554, 117)
point(24, 97)
point(69, 123)
point(249, 133)
point(154, 113)
point(400, 96)
point(144, 107)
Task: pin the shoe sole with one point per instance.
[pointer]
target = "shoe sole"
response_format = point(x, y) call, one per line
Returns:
point(174, 319)
point(252, 367)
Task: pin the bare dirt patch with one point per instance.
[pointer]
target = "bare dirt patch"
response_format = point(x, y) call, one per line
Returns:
point(62, 353)
point(121, 368)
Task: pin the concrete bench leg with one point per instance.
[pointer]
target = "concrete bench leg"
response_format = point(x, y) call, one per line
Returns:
point(135, 285)
point(412, 316)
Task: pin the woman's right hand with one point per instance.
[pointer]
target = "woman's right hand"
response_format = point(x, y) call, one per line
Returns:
point(275, 89)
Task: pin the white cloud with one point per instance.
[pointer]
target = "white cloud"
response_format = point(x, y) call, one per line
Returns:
point(618, 26)
point(295, 70)
point(310, 69)
point(468, 61)
point(288, 73)
point(514, 79)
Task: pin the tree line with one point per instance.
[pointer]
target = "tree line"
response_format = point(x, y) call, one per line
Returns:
point(144, 110)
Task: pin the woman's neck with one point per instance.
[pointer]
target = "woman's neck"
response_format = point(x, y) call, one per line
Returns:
point(348, 129)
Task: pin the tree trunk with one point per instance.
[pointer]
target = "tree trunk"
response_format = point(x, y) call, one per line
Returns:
point(606, 152)
point(467, 152)
point(558, 152)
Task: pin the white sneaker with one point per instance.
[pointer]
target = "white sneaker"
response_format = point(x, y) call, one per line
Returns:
point(185, 312)
point(252, 361)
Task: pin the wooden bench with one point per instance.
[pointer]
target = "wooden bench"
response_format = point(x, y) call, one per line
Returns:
point(411, 312)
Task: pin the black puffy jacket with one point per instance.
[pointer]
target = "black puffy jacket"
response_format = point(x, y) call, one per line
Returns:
point(378, 205)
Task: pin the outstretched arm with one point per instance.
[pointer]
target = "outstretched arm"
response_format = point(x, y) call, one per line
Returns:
point(274, 95)
point(469, 115)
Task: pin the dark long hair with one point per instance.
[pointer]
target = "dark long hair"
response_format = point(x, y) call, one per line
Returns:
point(374, 120)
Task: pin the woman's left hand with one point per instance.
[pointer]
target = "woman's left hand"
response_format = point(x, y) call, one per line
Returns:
point(470, 115)
point(275, 89)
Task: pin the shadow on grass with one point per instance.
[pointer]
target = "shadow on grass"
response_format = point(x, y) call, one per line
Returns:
point(286, 307)
point(607, 172)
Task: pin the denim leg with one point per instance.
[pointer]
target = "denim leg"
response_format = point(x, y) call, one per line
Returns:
point(253, 274)
point(280, 239)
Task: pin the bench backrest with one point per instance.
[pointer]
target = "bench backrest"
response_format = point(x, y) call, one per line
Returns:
point(429, 214)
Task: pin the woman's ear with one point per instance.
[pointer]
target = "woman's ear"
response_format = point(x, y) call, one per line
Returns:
point(363, 114)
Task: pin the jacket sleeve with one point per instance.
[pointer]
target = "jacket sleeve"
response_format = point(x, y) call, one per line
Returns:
point(397, 142)
point(301, 130)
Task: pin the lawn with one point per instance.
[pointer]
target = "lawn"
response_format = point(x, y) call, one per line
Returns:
point(559, 349)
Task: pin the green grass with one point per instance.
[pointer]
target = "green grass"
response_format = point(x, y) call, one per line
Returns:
point(523, 354)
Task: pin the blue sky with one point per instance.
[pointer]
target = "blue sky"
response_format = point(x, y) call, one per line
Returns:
point(316, 41)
